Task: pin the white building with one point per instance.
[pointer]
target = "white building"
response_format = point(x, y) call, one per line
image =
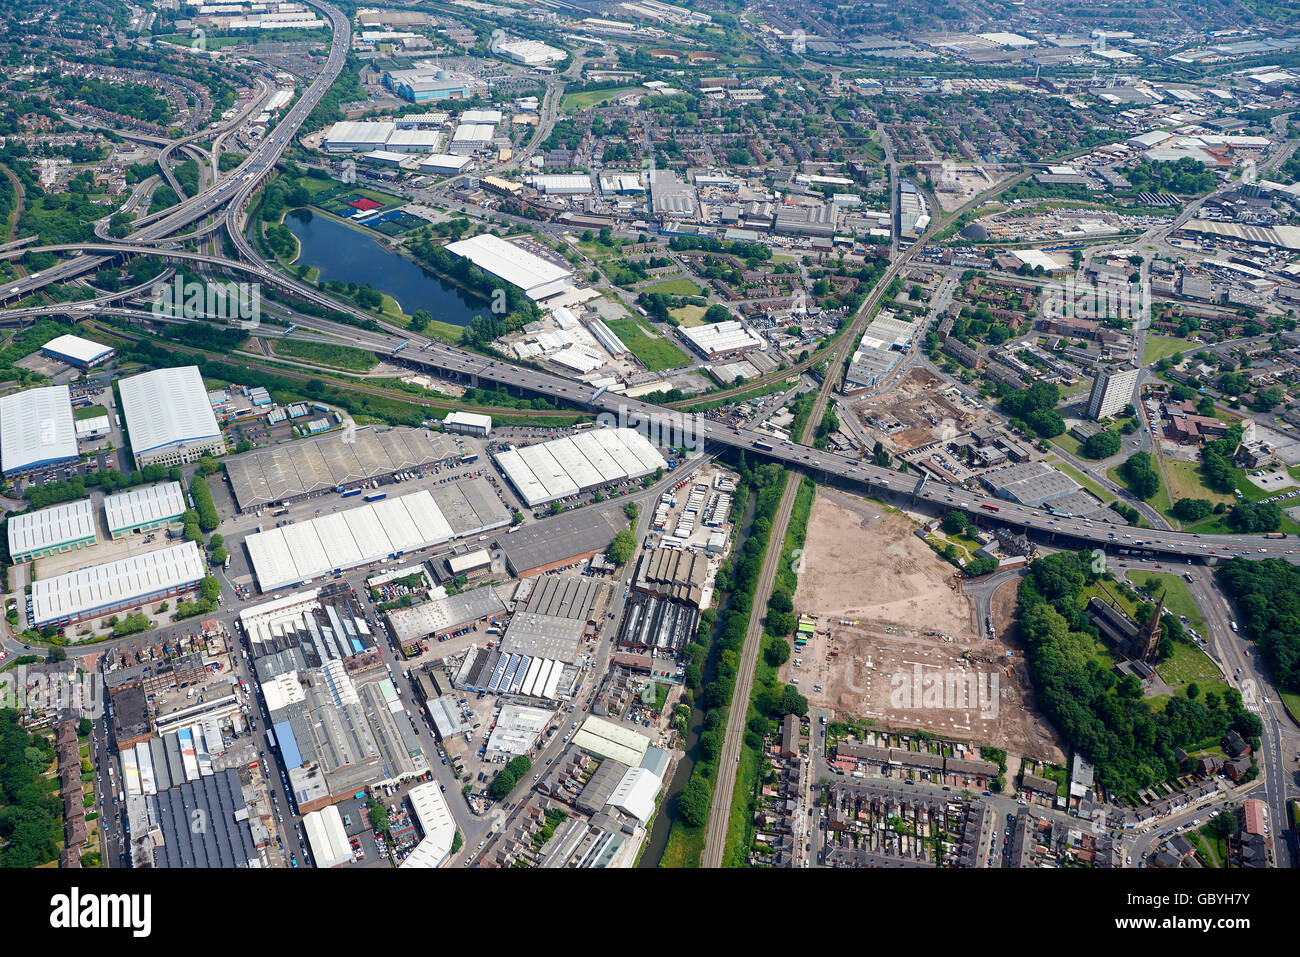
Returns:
point(169, 418)
point(530, 52)
point(443, 164)
point(36, 430)
point(537, 277)
point(117, 586)
point(349, 136)
point(722, 338)
point(470, 423)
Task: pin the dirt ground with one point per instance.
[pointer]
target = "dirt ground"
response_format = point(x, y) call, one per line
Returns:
point(896, 642)
point(913, 413)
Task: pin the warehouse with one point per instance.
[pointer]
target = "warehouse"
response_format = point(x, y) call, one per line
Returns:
point(169, 418)
point(1031, 484)
point(226, 841)
point(88, 430)
point(437, 826)
point(296, 554)
point(414, 141)
point(468, 423)
point(726, 338)
point(553, 615)
point(36, 430)
point(77, 351)
point(537, 277)
point(610, 740)
point(564, 467)
point(472, 565)
point(561, 185)
point(144, 509)
point(50, 531)
point(287, 472)
point(443, 164)
point(327, 838)
point(471, 137)
point(440, 617)
point(529, 52)
point(558, 543)
point(117, 586)
point(493, 671)
point(349, 137)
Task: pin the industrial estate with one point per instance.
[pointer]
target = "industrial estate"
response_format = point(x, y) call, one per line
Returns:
point(608, 434)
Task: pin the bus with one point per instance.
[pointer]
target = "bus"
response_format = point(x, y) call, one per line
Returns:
point(471, 457)
point(375, 496)
point(280, 511)
point(347, 493)
point(991, 508)
point(1275, 535)
point(763, 445)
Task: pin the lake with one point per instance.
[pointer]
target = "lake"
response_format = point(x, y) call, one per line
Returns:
point(344, 254)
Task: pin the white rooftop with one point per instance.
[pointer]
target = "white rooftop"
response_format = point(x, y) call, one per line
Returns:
point(49, 527)
point(142, 506)
point(36, 427)
point(509, 262)
point(116, 583)
point(75, 347)
point(167, 407)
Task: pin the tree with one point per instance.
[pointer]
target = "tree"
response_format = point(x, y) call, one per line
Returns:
point(954, 523)
point(1140, 475)
point(209, 588)
point(693, 802)
point(219, 555)
point(792, 702)
point(621, 547)
point(1101, 445)
point(1192, 509)
point(776, 652)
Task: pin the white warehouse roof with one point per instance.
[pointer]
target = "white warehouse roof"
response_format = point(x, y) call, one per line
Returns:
point(325, 834)
point(727, 336)
point(551, 470)
point(357, 135)
point(167, 407)
point(382, 529)
point(36, 428)
point(436, 824)
point(635, 793)
point(509, 262)
point(611, 740)
point(443, 162)
point(51, 527)
point(116, 583)
point(143, 506)
point(77, 349)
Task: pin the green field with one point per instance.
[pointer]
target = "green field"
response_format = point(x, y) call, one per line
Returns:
point(656, 352)
point(1158, 347)
point(1068, 443)
point(324, 353)
point(1184, 480)
point(586, 99)
point(688, 316)
point(89, 412)
point(1178, 597)
point(676, 287)
point(1160, 501)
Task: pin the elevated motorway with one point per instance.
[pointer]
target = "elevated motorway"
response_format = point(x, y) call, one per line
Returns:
point(234, 191)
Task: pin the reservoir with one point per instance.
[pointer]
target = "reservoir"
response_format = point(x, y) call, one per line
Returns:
point(349, 255)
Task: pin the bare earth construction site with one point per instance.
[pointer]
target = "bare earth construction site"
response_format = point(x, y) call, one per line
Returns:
point(891, 617)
